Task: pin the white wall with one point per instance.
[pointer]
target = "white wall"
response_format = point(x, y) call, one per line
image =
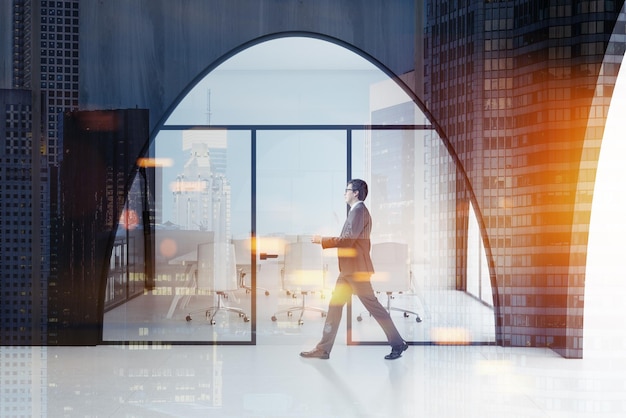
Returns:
point(605, 286)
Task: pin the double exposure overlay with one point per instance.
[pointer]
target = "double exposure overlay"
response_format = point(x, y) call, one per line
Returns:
point(161, 181)
point(166, 165)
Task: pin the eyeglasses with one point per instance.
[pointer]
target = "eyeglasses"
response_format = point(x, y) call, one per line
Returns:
point(349, 190)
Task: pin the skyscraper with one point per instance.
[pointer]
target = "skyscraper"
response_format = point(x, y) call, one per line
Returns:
point(44, 74)
point(514, 86)
point(202, 191)
point(46, 60)
point(23, 309)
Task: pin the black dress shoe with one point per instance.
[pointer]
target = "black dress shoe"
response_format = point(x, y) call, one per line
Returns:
point(315, 353)
point(396, 351)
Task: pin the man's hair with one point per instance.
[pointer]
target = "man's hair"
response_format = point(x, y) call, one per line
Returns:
point(360, 186)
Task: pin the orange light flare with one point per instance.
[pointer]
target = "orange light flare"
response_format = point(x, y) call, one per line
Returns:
point(271, 246)
point(346, 252)
point(154, 162)
point(451, 336)
point(307, 278)
point(129, 219)
point(168, 248)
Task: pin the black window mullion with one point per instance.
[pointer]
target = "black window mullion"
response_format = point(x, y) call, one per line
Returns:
point(253, 256)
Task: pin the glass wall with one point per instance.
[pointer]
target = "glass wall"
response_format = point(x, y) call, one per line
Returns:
point(253, 161)
point(127, 274)
point(478, 280)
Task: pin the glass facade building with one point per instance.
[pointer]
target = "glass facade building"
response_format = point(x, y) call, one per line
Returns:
point(23, 298)
point(521, 89)
point(44, 66)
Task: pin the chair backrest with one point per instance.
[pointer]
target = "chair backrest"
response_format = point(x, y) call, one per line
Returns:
point(216, 267)
point(304, 266)
point(243, 252)
point(392, 267)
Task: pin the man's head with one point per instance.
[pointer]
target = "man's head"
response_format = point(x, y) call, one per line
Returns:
point(356, 190)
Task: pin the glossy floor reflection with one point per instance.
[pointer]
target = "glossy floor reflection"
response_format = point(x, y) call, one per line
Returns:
point(273, 381)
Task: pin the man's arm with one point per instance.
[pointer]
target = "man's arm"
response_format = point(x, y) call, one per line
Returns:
point(351, 231)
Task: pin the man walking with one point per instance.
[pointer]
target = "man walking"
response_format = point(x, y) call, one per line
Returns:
point(355, 270)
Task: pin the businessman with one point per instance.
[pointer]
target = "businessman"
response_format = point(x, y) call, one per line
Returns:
point(355, 270)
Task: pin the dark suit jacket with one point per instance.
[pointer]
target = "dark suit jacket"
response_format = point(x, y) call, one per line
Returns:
point(353, 245)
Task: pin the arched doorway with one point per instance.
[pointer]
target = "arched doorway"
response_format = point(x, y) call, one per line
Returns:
point(253, 160)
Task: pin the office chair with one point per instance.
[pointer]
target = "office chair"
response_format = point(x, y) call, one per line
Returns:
point(392, 274)
point(217, 274)
point(189, 262)
point(243, 251)
point(302, 273)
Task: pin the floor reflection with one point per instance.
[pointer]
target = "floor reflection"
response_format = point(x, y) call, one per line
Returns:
point(272, 380)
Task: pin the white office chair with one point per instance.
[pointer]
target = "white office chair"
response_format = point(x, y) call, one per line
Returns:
point(243, 259)
point(188, 261)
point(217, 274)
point(302, 273)
point(392, 273)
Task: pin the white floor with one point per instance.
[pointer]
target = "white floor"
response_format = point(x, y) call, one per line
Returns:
point(273, 381)
point(270, 379)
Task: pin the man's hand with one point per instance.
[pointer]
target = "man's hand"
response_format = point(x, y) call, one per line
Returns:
point(316, 239)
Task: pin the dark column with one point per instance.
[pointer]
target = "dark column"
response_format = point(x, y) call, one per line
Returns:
point(100, 150)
